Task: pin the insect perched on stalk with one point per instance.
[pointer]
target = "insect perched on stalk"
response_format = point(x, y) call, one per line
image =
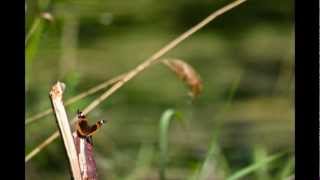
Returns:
point(84, 130)
point(84, 146)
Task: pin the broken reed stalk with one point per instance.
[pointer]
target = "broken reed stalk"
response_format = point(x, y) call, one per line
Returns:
point(76, 98)
point(64, 128)
point(87, 163)
point(140, 68)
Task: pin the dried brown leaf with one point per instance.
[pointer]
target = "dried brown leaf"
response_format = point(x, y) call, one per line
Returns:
point(187, 74)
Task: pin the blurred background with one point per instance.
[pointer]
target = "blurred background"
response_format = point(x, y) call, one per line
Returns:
point(245, 59)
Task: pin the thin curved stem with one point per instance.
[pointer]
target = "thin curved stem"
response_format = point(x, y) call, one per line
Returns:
point(76, 98)
point(151, 60)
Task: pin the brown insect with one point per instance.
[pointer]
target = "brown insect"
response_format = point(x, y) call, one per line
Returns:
point(84, 130)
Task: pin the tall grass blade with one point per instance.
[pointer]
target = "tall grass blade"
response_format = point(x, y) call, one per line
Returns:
point(259, 155)
point(33, 39)
point(209, 167)
point(214, 153)
point(34, 34)
point(166, 117)
point(288, 169)
point(253, 167)
point(144, 160)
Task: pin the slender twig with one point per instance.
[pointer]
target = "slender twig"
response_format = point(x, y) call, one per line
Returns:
point(144, 65)
point(160, 53)
point(64, 128)
point(45, 143)
point(76, 98)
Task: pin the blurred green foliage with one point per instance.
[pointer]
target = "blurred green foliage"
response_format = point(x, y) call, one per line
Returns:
point(91, 41)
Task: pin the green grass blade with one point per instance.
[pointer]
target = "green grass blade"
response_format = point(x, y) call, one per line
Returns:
point(210, 162)
point(215, 163)
point(215, 152)
point(33, 39)
point(259, 155)
point(144, 160)
point(288, 169)
point(255, 166)
point(31, 44)
point(166, 117)
point(35, 26)
point(34, 35)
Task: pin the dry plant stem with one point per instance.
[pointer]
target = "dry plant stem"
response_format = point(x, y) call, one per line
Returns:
point(160, 53)
point(87, 161)
point(36, 150)
point(65, 130)
point(76, 98)
point(144, 65)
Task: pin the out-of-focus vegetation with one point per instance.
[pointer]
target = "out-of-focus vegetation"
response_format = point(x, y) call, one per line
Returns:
point(243, 118)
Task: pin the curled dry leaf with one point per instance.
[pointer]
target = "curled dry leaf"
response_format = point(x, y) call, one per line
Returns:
point(187, 73)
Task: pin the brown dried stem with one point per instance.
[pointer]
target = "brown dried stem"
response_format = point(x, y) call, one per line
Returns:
point(143, 66)
point(86, 158)
point(64, 128)
point(76, 98)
